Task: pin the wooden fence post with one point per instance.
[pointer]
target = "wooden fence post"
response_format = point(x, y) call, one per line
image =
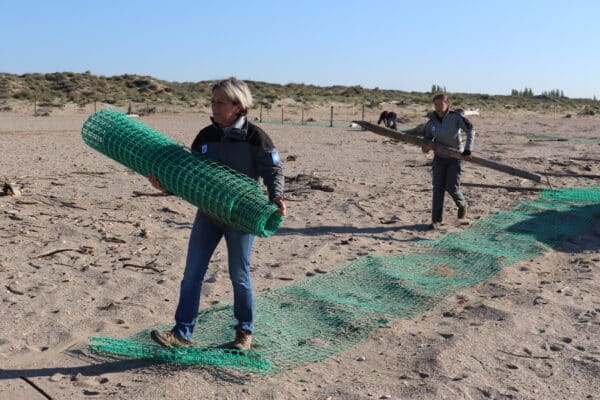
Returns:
point(302, 121)
point(331, 118)
point(447, 151)
point(35, 106)
point(281, 115)
point(260, 115)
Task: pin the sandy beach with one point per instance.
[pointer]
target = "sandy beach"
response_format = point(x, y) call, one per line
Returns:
point(83, 251)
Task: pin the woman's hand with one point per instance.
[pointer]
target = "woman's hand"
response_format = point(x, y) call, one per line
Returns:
point(426, 147)
point(156, 184)
point(279, 201)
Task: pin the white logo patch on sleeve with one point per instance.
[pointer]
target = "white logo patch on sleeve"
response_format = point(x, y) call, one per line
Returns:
point(204, 148)
point(275, 157)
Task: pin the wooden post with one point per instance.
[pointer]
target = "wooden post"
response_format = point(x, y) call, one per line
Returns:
point(302, 120)
point(447, 151)
point(35, 107)
point(94, 105)
point(260, 115)
point(509, 188)
point(331, 118)
point(281, 115)
point(363, 117)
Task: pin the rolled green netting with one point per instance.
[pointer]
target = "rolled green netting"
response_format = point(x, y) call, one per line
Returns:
point(218, 191)
point(324, 315)
point(189, 355)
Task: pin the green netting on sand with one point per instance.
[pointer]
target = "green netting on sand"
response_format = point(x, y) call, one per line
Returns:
point(324, 315)
point(218, 357)
point(548, 137)
point(218, 191)
point(590, 194)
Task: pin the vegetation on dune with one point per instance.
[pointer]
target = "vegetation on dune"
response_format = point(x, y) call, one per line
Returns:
point(83, 88)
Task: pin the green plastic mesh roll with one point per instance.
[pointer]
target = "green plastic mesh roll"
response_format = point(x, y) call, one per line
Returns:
point(217, 190)
point(324, 315)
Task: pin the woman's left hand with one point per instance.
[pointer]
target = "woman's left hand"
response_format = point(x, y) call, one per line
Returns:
point(281, 203)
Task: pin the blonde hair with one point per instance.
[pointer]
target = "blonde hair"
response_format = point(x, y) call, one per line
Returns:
point(236, 91)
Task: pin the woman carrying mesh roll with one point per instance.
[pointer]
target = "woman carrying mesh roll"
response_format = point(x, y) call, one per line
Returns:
point(231, 140)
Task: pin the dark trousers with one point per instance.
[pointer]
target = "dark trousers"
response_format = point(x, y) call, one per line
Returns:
point(390, 122)
point(446, 178)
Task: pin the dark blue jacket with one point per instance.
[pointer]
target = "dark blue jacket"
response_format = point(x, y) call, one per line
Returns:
point(248, 150)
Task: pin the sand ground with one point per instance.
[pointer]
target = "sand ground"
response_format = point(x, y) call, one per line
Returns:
point(530, 332)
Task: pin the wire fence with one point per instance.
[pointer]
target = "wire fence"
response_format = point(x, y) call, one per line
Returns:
point(335, 115)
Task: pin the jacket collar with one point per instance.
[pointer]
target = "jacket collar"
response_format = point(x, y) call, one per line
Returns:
point(237, 131)
point(434, 116)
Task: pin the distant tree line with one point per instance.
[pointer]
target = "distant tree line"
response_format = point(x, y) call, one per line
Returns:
point(528, 92)
point(438, 89)
point(554, 93)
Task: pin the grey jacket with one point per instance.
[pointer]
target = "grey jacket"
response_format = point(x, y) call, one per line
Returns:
point(446, 131)
point(243, 147)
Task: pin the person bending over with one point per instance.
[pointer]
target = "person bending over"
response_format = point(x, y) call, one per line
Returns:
point(389, 119)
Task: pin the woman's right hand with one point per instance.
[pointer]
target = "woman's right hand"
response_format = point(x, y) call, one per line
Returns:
point(156, 184)
point(281, 204)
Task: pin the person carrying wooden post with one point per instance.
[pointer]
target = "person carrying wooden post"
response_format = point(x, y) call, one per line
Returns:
point(389, 119)
point(444, 127)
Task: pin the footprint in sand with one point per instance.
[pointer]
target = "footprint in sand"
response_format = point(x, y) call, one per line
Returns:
point(542, 369)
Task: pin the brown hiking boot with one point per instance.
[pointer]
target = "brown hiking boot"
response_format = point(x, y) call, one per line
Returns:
point(169, 339)
point(243, 340)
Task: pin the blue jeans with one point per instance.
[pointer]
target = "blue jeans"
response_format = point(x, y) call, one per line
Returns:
point(204, 238)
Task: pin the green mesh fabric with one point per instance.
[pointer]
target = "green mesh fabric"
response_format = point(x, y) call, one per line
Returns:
point(218, 191)
point(324, 315)
point(189, 355)
point(589, 194)
point(542, 137)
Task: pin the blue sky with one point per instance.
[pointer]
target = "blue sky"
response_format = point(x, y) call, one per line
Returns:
point(466, 46)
